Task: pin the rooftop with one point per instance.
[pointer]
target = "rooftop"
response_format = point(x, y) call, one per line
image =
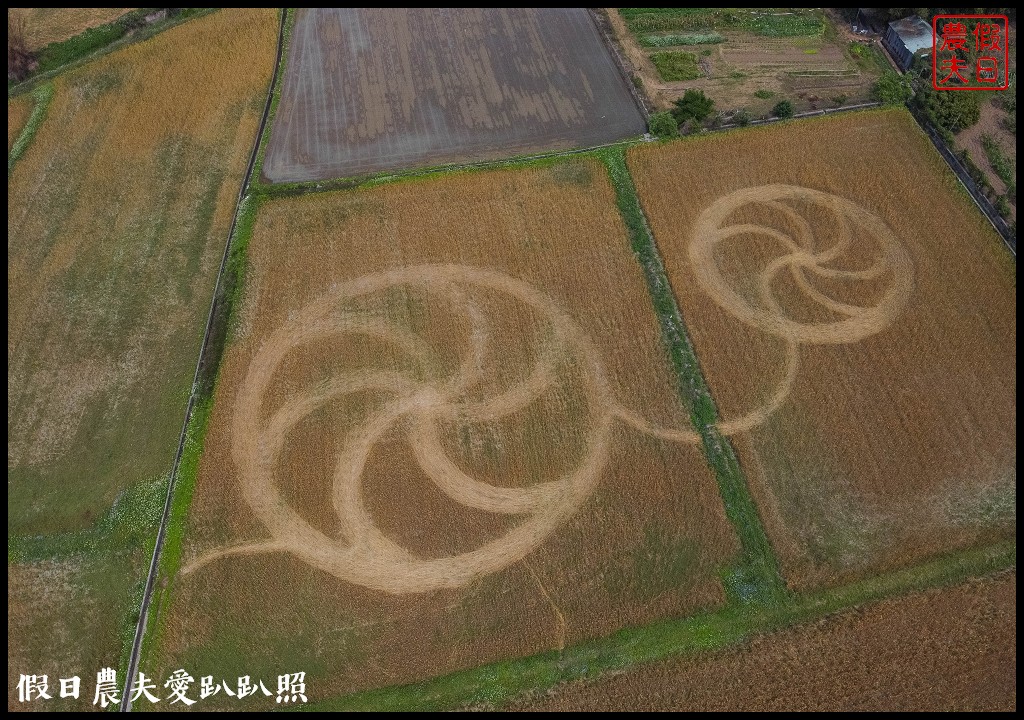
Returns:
point(915, 33)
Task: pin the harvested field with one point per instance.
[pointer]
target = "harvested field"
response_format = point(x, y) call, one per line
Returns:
point(856, 315)
point(49, 25)
point(117, 216)
point(945, 649)
point(18, 111)
point(430, 444)
point(377, 89)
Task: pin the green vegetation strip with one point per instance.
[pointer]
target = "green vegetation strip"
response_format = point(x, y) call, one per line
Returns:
point(676, 65)
point(789, 22)
point(170, 558)
point(684, 39)
point(1001, 163)
point(505, 681)
point(257, 185)
point(42, 97)
point(756, 578)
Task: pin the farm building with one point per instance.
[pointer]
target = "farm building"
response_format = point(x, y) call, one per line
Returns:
point(905, 38)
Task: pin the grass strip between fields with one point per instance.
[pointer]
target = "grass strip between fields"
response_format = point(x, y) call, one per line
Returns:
point(756, 578)
point(504, 681)
point(42, 96)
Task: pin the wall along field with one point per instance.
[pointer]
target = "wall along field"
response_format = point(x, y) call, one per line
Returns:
point(117, 214)
point(431, 442)
point(842, 292)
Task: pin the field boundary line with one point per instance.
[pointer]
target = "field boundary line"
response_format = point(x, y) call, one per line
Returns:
point(757, 578)
point(354, 182)
point(140, 628)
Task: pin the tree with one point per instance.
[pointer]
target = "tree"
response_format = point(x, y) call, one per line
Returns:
point(954, 111)
point(663, 125)
point(783, 109)
point(19, 59)
point(891, 88)
point(693, 105)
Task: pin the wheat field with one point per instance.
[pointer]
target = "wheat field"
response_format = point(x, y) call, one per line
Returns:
point(117, 215)
point(834, 277)
point(427, 449)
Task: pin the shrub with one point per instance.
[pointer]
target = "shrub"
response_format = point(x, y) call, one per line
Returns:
point(663, 125)
point(741, 118)
point(892, 88)
point(840, 99)
point(954, 111)
point(783, 109)
point(764, 94)
point(1003, 207)
point(693, 105)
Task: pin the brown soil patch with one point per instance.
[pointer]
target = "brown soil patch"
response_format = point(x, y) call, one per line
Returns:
point(895, 439)
point(948, 649)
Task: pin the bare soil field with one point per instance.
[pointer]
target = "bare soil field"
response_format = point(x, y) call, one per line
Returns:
point(18, 111)
point(855, 319)
point(377, 89)
point(746, 70)
point(117, 216)
point(944, 649)
point(429, 447)
point(49, 25)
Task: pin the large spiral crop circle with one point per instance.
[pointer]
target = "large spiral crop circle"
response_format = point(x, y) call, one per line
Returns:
point(810, 253)
point(365, 555)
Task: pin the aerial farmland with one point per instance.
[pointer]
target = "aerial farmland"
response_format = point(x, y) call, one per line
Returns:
point(498, 359)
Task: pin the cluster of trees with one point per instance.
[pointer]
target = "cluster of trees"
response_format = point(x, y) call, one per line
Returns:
point(694, 107)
